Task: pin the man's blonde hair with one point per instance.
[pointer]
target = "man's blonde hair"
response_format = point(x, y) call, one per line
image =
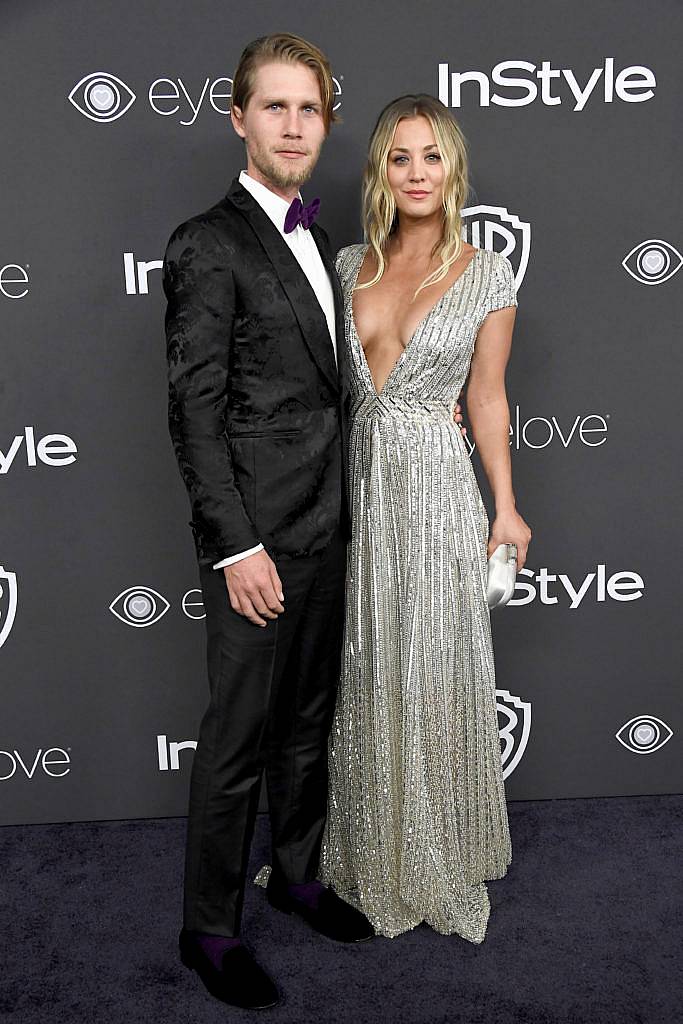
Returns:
point(290, 49)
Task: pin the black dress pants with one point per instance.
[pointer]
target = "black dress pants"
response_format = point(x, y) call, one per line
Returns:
point(273, 690)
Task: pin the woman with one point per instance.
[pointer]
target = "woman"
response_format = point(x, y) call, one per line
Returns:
point(417, 818)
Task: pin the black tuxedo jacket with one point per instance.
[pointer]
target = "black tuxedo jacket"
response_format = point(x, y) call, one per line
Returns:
point(257, 408)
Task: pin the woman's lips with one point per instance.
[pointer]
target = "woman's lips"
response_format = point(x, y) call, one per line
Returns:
point(418, 194)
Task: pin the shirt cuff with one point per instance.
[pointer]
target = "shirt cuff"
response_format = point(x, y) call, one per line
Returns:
point(239, 557)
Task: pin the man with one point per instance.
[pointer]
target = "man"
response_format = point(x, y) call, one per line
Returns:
point(258, 420)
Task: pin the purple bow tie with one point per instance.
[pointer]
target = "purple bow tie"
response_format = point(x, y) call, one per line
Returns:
point(300, 214)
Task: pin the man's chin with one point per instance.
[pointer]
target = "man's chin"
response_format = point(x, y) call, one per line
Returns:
point(286, 175)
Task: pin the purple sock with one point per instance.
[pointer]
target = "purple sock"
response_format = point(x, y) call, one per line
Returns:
point(308, 892)
point(215, 946)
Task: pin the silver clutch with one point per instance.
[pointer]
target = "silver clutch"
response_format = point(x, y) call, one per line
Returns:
point(502, 573)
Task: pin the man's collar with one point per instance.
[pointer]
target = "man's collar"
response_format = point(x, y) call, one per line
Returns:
point(273, 205)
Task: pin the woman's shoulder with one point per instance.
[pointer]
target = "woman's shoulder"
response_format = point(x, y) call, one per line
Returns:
point(501, 279)
point(347, 256)
point(495, 259)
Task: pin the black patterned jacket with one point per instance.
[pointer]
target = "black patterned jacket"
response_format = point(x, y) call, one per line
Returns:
point(257, 408)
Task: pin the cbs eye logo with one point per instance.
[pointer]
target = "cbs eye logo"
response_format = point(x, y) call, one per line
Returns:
point(139, 606)
point(101, 97)
point(644, 734)
point(652, 262)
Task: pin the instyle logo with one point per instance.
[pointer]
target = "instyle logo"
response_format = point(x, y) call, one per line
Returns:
point(104, 98)
point(494, 227)
point(54, 763)
point(517, 82)
point(515, 715)
point(135, 273)
point(168, 752)
point(653, 261)
point(8, 602)
point(14, 281)
point(51, 450)
point(554, 588)
point(644, 734)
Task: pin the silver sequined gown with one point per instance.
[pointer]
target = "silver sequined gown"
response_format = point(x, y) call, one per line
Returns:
point(417, 818)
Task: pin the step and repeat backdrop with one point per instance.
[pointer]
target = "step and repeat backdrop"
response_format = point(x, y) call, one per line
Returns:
point(115, 129)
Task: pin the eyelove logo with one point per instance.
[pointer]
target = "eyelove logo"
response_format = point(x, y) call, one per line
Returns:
point(14, 281)
point(193, 604)
point(139, 606)
point(622, 585)
point(55, 762)
point(644, 734)
point(537, 432)
point(634, 84)
point(143, 606)
point(103, 97)
point(51, 450)
point(653, 261)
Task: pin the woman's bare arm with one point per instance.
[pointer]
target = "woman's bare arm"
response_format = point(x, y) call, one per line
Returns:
point(489, 417)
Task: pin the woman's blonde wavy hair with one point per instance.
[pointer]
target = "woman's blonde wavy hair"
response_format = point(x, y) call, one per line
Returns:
point(380, 218)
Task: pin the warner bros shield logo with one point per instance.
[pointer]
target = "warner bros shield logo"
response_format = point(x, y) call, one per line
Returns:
point(514, 726)
point(8, 602)
point(493, 227)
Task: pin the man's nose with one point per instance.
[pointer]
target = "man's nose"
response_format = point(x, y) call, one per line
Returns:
point(292, 127)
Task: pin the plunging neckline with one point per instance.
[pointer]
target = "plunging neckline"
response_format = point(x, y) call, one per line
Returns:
point(420, 325)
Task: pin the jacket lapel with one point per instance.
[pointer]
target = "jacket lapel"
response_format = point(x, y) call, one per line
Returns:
point(340, 326)
point(297, 288)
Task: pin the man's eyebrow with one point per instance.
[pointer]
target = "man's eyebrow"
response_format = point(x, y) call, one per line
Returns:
point(304, 103)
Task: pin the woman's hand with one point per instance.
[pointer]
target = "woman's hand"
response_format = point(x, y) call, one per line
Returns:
point(510, 528)
point(457, 417)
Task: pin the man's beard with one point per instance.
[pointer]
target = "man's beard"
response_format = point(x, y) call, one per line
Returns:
point(282, 177)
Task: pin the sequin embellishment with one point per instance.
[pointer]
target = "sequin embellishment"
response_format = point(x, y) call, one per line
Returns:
point(417, 818)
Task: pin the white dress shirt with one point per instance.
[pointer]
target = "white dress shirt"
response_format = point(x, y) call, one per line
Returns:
point(305, 251)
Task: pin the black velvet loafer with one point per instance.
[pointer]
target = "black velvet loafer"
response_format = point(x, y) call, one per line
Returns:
point(332, 917)
point(240, 982)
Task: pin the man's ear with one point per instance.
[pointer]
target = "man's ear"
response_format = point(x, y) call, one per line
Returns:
point(236, 117)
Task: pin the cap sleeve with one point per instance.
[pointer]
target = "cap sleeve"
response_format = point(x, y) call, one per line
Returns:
point(345, 262)
point(502, 290)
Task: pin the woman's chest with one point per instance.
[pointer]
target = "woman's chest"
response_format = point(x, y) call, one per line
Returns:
point(387, 314)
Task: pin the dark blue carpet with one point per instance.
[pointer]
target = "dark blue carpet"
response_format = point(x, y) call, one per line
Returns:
point(585, 929)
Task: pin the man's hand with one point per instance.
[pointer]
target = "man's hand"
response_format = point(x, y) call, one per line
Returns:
point(254, 587)
point(457, 416)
